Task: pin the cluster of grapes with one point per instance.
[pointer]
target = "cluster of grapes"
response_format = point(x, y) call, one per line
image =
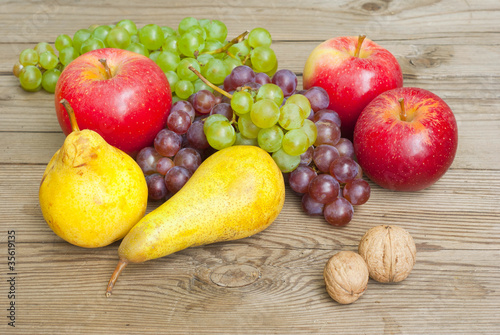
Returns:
point(195, 43)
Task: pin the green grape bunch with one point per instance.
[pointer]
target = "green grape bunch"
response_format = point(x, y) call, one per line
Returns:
point(202, 44)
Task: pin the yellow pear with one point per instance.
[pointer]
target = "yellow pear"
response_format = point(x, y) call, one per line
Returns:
point(235, 193)
point(91, 193)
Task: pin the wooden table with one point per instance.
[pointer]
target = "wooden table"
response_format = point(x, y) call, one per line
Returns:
point(273, 281)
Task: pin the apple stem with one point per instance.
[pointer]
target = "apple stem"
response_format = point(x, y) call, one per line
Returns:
point(402, 113)
point(215, 88)
point(106, 67)
point(71, 115)
point(361, 38)
point(114, 277)
point(235, 40)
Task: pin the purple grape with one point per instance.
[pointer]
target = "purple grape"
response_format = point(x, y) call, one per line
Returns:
point(163, 165)
point(240, 75)
point(203, 101)
point(224, 109)
point(318, 98)
point(300, 178)
point(323, 156)
point(156, 187)
point(339, 212)
point(311, 207)
point(176, 178)
point(188, 158)
point(147, 159)
point(357, 192)
point(286, 80)
point(344, 169)
point(179, 121)
point(184, 106)
point(328, 132)
point(196, 137)
point(262, 78)
point(228, 84)
point(253, 85)
point(345, 148)
point(167, 143)
point(307, 157)
point(327, 114)
point(324, 188)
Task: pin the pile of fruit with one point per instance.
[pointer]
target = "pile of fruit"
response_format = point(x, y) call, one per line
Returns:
point(198, 43)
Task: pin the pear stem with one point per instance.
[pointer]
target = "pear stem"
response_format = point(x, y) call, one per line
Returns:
point(215, 88)
point(71, 115)
point(106, 68)
point(402, 113)
point(114, 277)
point(226, 47)
point(361, 38)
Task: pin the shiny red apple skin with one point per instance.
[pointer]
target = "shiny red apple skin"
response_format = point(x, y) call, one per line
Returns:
point(406, 155)
point(351, 82)
point(127, 110)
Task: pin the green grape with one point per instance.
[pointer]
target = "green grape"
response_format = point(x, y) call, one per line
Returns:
point(211, 45)
point(118, 38)
point(270, 91)
point(309, 127)
point(183, 70)
point(216, 30)
point(135, 39)
point(167, 31)
point(151, 36)
point(200, 85)
point(67, 55)
point(215, 71)
point(184, 88)
point(49, 80)
point(28, 57)
point(41, 47)
point(191, 42)
point(129, 25)
point(204, 58)
point(173, 78)
point(203, 22)
point(265, 113)
point(231, 63)
point(168, 61)
point(263, 59)
point(240, 50)
point(48, 60)
point(270, 138)
point(101, 33)
point(79, 37)
point(175, 99)
point(211, 119)
point(90, 44)
point(295, 142)
point(154, 55)
point(286, 162)
point(247, 127)
point(259, 37)
point(290, 116)
point(63, 41)
point(220, 135)
point(92, 27)
point(171, 43)
point(271, 72)
point(242, 140)
point(241, 102)
point(301, 101)
point(199, 30)
point(187, 23)
point(138, 48)
point(16, 69)
point(30, 78)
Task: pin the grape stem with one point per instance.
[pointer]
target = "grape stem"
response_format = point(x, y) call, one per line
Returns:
point(402, 114)
point(361, 38)
point(114, 277)
point(106, 68)
point(71, 115)
point(226, 47)
point(215, 88)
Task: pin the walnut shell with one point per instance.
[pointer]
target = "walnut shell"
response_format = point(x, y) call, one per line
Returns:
point(389, 252)
point(346, 277)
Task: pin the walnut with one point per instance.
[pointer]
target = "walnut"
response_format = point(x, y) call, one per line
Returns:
point(389, 252)
point(346, 277)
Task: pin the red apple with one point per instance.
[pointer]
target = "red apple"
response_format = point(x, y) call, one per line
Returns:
point(406, 139)
point(126, 98)
point(353, 71)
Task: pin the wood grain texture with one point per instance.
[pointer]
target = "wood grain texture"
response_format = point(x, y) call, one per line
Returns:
point(271, 283)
